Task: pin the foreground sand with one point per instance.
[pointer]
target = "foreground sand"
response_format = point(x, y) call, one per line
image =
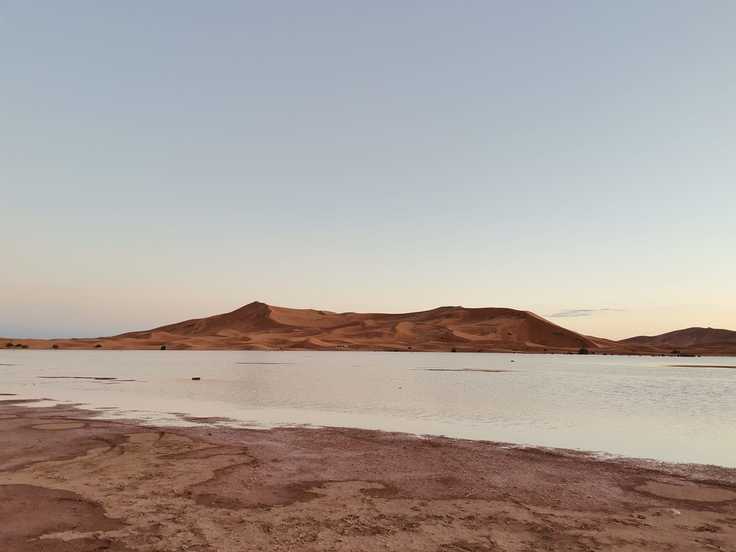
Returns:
point(69, 482)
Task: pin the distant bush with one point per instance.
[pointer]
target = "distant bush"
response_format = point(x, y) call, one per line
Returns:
point(8, 345)
point(163, 347)
point(454, 349)
point(583, 351)
point(98, 346)
point(54, 346)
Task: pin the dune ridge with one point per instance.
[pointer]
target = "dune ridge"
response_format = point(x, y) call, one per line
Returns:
point(259, 326)
point(696, 340)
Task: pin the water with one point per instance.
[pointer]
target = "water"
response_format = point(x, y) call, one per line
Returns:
point(631, 406)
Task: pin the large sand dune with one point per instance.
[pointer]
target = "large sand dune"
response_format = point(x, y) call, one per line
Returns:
point(261, 326)
point(258, 326)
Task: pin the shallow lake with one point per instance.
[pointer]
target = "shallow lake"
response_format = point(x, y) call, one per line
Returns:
point(633, 406)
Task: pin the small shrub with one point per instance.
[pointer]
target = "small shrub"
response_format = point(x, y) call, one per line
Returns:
point(98, 346)
point(54, 346)
point(163, 347)
point(8, 345)
point(583, 351)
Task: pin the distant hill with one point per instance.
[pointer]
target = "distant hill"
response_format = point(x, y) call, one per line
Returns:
point(258, 326)
point(261, 326)
point(689, 340)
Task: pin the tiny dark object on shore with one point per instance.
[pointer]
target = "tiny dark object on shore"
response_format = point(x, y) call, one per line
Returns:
point(8, 345)
point(54, 346)
point(163, 347)
point(98, 346)
point(583, 351)
point(196, 379)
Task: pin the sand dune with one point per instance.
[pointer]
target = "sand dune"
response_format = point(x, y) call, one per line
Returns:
point(258, 326)
point(689, 340)
point(261, 326)
point(265, 327)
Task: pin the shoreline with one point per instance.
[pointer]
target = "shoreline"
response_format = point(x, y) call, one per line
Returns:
point(181, 421)
point(32, 344)
point(208, 488)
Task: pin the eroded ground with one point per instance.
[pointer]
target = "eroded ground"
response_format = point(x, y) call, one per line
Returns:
point(70, 483)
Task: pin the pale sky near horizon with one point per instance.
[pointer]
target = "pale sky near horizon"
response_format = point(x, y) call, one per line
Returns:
point(168, 160)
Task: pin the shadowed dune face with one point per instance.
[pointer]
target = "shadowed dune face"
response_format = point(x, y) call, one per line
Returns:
point(252, 317)
point(258, 326)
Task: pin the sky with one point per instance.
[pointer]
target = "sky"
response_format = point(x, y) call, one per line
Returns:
point(174, 159)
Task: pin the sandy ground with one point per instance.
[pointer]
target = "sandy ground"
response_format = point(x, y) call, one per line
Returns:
point(70, 483)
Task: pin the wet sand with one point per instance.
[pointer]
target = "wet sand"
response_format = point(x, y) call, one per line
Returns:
point(72, 483)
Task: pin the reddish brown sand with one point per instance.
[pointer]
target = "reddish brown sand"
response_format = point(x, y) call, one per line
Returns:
point(71, 483)
point(707, 341)
point(259, 326)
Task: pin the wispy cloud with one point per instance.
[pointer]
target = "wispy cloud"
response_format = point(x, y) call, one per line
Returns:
point(574, 313)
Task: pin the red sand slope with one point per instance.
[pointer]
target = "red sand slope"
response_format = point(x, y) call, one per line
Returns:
point(259, 326)
point(689, 340)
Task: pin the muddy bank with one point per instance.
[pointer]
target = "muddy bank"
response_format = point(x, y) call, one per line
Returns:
point(70, 482)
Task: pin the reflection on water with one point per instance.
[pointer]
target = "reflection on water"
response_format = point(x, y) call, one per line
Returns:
point(634, 406)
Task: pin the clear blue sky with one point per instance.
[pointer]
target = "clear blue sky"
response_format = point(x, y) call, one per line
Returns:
point(164, 160)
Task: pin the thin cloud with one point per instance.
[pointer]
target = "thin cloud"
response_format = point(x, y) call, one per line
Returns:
point(576, 313)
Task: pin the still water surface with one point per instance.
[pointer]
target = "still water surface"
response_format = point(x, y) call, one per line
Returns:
point(632, 406)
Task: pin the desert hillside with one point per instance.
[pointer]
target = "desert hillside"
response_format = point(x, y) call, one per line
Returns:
point(689, 340)
point(260, 326)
